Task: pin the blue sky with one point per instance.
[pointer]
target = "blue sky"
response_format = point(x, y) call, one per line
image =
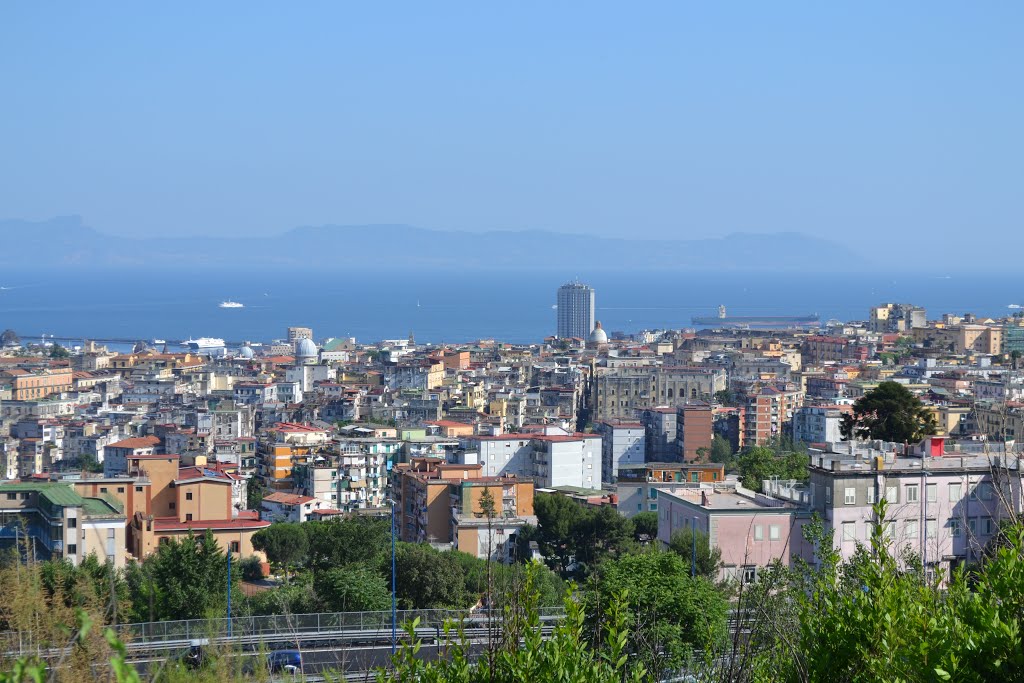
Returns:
point(897, 122)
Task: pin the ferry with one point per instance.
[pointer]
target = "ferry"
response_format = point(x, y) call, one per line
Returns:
point(203, 343)
point(158, 342)
point(231, 304)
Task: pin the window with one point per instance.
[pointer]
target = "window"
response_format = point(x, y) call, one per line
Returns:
point(749, 574)
point(103, 489)
point(932, 493)
point(972, 526)
point(654, 493)
point(758, 532)
point(72, 522)
point(912, 493)
point(172, 505)
point(956, 492)
point(234, 546)
point(972, 492)
point(849, 531)
point(138, 489)
point(654, 507)
point(910, 528)
point(774, 533)
point(954, 528)
point(188, 517)
point(986, 491)
point(870, 497)
point(164, 540)
point(892, 494)
point(987, 526)
point(931, 528)
point(850, 496)
point(111, 534)
point(828, 494)
point(188, 495)
point(12, 496)
point(72, 548)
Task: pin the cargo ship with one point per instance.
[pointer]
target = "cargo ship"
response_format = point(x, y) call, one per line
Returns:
point(766, 321)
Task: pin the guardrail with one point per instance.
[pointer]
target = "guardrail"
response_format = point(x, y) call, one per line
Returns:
point(248, 630)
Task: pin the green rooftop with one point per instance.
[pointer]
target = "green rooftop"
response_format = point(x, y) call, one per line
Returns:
point(100, 507)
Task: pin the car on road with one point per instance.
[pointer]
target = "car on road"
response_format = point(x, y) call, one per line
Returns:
point(285, 661)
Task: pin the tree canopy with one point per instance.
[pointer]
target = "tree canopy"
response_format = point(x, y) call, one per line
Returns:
point(889, 412)
point(708, 559)
point(284, 543)
point(761, 462)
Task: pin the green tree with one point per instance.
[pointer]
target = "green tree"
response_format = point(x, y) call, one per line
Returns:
point(285, 544)
point(254, 491)
point(354, 588)
point(671, 612)
point(188, 579)
point(603, 532)
point(761, 462)
point(428, 578)
point(355, 540)
point(58, 351)
point(709, 559)
point(721, 451)
point(889, 412)
point(557, 518)
point(645, 524)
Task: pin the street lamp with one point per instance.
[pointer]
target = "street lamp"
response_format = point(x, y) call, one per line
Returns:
point(394, 594)
point(693, 561)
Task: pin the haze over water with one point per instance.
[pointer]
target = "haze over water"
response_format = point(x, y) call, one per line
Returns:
point(509, 306)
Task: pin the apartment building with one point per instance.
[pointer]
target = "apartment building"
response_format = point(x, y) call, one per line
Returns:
point(622, 392)
point(36, 382)
point(553, 457)
point(944, 505)
point(61, 524)
point(694, 431)
point(623, 443)
point(751, 530)
point(441, 504)
point(768, 414)
point(638, 486)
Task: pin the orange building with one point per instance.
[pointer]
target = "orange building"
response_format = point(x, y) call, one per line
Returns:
point(442, 504)
point(37, 383)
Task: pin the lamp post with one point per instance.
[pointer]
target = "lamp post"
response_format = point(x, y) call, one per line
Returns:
point(229, 590)
point(394, 594)
point(693, 561)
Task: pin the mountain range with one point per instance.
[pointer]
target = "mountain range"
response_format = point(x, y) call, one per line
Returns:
point(67, 242)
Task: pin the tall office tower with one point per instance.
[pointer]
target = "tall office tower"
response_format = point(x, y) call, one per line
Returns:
point(575, 310)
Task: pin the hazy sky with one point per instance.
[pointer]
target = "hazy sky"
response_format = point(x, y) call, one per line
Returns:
point(849, 120)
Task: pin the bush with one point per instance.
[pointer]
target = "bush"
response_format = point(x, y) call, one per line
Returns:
point(252, 568)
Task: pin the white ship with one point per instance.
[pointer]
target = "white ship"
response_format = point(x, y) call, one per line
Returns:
point(203, 343)
point(159, 341)
point(231, 304)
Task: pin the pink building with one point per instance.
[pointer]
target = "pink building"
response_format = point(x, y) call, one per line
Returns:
point(945, 501)
point(752, 530)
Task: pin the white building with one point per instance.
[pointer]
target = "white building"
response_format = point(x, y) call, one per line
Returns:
point(622, 444)
point(554, 457)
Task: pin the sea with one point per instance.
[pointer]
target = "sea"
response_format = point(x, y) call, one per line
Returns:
point(449, 306)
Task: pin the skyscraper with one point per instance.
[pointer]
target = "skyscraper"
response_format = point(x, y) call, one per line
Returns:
point(575, 310)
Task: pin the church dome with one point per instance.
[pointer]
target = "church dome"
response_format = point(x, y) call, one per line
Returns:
point(598, 336)
point(245, 352)
point(305, 349)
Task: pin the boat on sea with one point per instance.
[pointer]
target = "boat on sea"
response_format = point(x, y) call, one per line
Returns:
point(159, 341)
point(203, 343)
point(231, 304)
point(762, 321)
